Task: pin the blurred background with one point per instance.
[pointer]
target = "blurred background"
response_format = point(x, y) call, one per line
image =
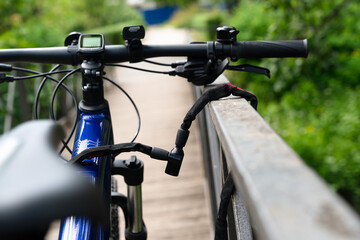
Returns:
point(313, 103)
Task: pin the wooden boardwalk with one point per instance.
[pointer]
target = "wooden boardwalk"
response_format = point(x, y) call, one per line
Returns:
point(174, 207)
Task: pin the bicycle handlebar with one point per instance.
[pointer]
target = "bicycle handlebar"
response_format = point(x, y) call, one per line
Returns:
point(120, 53)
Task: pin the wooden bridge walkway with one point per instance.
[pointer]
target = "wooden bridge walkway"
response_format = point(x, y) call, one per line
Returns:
point(174, 207)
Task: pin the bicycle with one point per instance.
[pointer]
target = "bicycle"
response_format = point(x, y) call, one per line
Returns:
point(94, 151)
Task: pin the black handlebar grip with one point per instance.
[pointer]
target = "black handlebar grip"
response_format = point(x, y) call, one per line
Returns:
point(271, 49)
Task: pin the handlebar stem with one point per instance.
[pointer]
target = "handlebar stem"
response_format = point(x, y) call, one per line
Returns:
point(92, 85)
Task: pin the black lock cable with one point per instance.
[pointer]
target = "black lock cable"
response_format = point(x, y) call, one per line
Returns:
point(215, 93)
point(176, 155)
point(225, 197)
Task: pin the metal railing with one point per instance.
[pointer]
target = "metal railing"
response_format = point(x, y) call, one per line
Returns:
point(277, 196)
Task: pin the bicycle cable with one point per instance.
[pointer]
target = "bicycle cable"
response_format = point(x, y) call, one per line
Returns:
point(36, 103)
point(52, 112)
point(42, 84)
point(132, 102)
point(37, 96)
point(141, 69)
point(37, 73)
point(158, 63)
point(73, 97)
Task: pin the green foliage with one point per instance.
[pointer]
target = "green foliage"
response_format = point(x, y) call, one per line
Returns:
point(46, 23)
point(324, 131)
point(201, 21)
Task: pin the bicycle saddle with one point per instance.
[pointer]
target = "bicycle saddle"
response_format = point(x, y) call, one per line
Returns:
point(36, 187)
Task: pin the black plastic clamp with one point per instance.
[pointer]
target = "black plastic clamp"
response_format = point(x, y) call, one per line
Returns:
point(133, 35)
point(132, 170)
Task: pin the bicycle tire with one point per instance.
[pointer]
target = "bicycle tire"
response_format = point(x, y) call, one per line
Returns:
point(114, 214)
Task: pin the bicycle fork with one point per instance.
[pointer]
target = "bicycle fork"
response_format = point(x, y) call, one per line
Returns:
point(133, 172)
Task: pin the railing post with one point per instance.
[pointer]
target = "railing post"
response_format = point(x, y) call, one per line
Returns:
point(9, 106)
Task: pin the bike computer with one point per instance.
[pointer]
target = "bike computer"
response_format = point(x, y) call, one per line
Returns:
point(91, 43)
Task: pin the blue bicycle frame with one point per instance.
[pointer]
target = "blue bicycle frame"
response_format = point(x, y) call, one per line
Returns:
point(94, 129)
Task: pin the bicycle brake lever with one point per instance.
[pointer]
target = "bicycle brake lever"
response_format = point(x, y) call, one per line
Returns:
point(200, 72)
point(250, 68)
